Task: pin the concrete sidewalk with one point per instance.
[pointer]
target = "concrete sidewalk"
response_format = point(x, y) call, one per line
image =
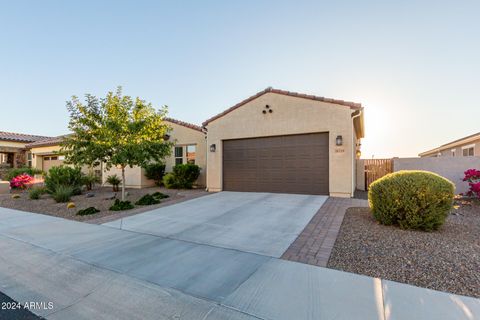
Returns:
point(97, 272)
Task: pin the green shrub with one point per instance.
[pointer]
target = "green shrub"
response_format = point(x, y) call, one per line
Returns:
point(186, 175)
point(169, 181)
point(182, 177)
point(35, 192)
point(12, 173)
point(411, 199)
point(160, 195)
point(147, 200)
point(63, 193)
point(115, 181)
point(87, 211)
point(64, 176)
point(155, 171)
point(89, 180)
point(121, 205)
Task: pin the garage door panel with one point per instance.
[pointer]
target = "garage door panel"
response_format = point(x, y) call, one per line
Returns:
point(288, 164)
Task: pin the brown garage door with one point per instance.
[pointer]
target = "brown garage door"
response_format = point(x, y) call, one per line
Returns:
point(288, 164)
point(51, 161)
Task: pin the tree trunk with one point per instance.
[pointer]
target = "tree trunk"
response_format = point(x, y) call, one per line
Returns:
point(123, 183)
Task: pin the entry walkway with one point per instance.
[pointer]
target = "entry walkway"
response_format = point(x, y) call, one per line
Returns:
point(98, 272)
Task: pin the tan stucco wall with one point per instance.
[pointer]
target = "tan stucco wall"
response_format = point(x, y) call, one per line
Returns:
point(134, 177)
point(290, 115)
point(452, 168)
point(12, 144)
point(181, 136)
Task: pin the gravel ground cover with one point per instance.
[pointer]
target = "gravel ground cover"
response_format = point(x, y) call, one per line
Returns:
point(446, 260)
point(47, 205)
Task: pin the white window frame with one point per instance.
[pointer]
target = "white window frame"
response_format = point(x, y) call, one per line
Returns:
point(470, 146)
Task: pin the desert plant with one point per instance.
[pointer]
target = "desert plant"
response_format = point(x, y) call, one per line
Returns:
point(21, 181)
point(169, 181)
point(15, 196)
point(121, 205)
point(62, 193)
point(71, 205)
point(63, 176)
point(12, 173)
point(87, 211)
point(155, 171)
point(35, 192)
point(115, 181)
point(184, 175)
point(89, 180)
point(147, 200)
point(411, 199)
point(160, 195)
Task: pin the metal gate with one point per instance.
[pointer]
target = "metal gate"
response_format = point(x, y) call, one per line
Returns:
point(375, 169)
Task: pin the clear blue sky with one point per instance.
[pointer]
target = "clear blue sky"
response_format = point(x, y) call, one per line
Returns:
point(414, 65)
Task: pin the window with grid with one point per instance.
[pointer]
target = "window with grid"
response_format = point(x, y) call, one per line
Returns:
point(467, 152)
point(191, 152)
point(178, 155)
point(29, 159)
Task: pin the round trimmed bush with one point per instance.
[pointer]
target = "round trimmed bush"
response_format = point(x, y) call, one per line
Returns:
point(411, 199)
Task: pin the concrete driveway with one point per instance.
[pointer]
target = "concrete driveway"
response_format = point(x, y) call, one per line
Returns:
point(101, 272)
point(263, 223)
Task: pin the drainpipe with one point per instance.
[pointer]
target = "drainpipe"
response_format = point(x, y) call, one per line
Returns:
point(206, 157)
point(355, 114)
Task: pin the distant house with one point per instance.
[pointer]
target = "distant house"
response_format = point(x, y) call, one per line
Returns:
point(13, 150)
point(464, 147)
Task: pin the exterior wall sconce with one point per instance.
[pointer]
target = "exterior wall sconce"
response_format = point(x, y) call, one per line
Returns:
point(358, 154)
point(213, 147)
point(339, 141)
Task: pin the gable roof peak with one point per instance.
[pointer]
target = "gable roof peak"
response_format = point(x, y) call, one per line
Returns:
point(352, 105)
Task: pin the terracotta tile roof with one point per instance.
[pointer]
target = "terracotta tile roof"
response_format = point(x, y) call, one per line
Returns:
point(185, 124)
point(53, 141)
point(20, 137)
point(352, 105)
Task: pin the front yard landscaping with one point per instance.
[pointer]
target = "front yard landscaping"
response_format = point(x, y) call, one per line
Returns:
point(101, 200)
point(447, 259)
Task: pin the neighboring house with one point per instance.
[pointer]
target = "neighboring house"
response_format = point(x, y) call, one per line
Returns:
point(281, 141)
point(465, 147)
point(274, 141)
point(13, 150)
point(45, 153)
point(190, 147)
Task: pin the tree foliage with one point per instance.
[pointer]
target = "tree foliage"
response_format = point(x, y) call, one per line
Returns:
point(116, 130)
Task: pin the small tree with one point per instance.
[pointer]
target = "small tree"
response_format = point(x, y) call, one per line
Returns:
point(117, 131)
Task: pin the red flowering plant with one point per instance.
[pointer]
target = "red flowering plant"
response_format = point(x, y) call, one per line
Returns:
point(21, 181)
point(472, 176)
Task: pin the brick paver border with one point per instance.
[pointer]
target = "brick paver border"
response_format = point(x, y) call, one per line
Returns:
point(315, 243)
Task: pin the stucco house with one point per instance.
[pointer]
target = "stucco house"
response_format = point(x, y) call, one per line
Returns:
point(274, 141)
point(464, 147)
point(13, 150)
point(281, 141)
